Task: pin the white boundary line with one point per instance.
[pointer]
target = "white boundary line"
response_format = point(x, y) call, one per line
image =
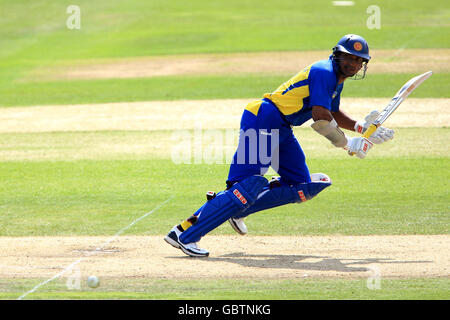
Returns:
point(99, 248)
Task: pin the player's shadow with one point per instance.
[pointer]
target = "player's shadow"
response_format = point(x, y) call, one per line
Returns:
point(300, 262)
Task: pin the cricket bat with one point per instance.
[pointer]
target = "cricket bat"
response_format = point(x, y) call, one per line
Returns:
point(401, 95)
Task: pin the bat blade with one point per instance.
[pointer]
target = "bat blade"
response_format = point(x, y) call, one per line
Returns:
point(400, 96)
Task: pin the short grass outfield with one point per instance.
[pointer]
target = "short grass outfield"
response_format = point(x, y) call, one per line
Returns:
point(37, 36)
point(136, 28)
point(234, 289)
point(393, 192)
point(198, 87)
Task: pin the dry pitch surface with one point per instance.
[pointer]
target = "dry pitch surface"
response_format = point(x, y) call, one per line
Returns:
point(383, 61)
point(254, 257)
point(195, 114)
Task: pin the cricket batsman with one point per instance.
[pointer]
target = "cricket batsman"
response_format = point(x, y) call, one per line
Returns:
point(266, 140)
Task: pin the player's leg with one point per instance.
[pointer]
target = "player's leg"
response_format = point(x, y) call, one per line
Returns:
point(213, 213)
point(295, 184)
point(259, 139)
point(247, 168)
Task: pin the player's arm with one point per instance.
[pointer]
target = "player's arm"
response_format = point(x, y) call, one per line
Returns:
point(321, 113)
point(346, 122)
point(381, 135)
point(343, 120)
point(327, 126)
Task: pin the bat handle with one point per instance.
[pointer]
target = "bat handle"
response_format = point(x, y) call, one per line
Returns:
point(370, 130)
point(368, 133)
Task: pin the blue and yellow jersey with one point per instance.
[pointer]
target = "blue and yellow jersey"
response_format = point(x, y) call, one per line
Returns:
point(316, 85)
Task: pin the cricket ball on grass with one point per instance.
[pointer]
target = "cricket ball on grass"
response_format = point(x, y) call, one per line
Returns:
point(93, 281)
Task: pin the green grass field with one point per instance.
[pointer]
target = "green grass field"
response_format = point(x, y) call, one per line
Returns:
point(110, 192)
point(304, 289)
point(37, 36)
point(195, 87)
point(60, 184)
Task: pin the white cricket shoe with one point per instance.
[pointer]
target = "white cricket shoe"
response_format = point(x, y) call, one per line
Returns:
point(238, 225)
point(190, 249)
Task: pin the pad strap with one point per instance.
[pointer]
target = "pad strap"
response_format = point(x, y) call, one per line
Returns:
point(274, 195)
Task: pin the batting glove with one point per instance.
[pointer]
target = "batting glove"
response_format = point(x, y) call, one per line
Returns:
point(358, 146)
point(381, 135)
point(362, 125)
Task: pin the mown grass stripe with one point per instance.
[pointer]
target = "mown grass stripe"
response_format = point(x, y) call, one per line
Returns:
point(198, 87)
